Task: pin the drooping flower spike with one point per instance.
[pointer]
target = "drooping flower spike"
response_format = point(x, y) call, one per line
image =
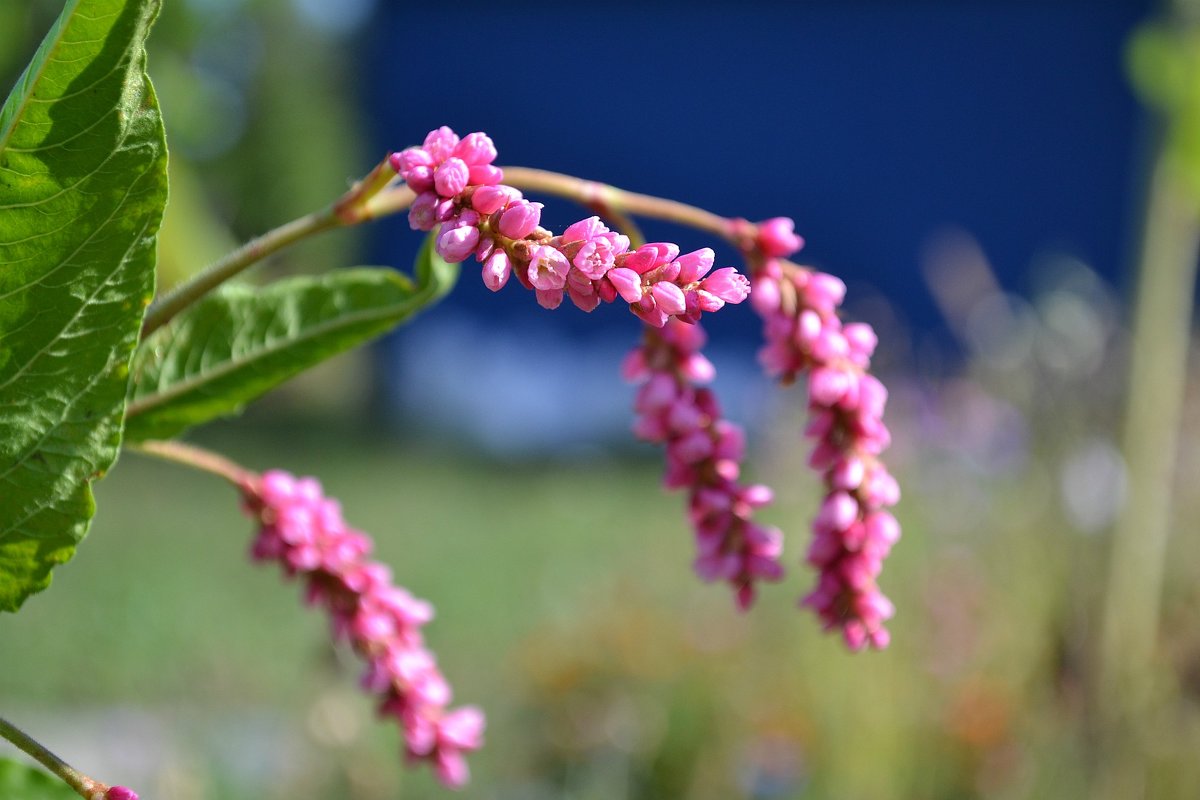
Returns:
point(853, 532)
point(704, 452)
point(303, 530)
point(458, 189)
point(459, 192)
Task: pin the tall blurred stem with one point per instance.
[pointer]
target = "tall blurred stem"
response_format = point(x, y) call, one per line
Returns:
point(1157, 376)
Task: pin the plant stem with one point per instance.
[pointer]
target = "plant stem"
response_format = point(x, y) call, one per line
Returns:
point(619, 201)
point(197, 458)
point(85, 786)
point(166, 307)
point(1157, 380)
point(617, 204)
point(350, 209)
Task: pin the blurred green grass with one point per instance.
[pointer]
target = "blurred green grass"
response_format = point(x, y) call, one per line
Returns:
point(567, 609)
point(161, 610)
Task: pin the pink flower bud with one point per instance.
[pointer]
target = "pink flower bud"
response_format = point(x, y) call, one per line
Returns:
point(476, 148)
point(862, 341)
point(120, 793)
point(694, 447)
point(882, 527)
point(496, 270)
point(855, 635)
point(404, 161)
point(695, 265)
point(456, 244)
point(584, 230)
point(808, 327)
point(757, 495)
point(641, 260)
point(648, 313)
point(837, 513)
point(727, 284)
point(451, 177)
point(443, 209)
point(451, 769)
point(484, 175)
point(825, 547)
point(698, 369)
point(549, 298)
point(668, 297)
point(664, 252)
point(848, 473)
point(440, 143)
point(765, 296)
point(606, 290)
point(490, 199)
point(586, 301)
point(627, 283)
point(706, 302)
point(462, 728)
point(777, 237)
point(519, 220)
point(483, 251)
point(881, 488)
point(827, 385)
point(419, 178)
point(824, 292)
point(668, 272)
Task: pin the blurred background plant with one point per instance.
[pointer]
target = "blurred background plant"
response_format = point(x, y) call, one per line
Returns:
point(1026, 662)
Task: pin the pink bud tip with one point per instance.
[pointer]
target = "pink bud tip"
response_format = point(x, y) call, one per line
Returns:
point(777, 237)
point(451, 177)
point(668, 297)
point(476, 149)
point(456, 244)
point(490, 199)
point(727, 284)
point(584, 230)
point(120, 793)
point(695, 265)
point(627, 283)
point(496, 271)
point(520, 218)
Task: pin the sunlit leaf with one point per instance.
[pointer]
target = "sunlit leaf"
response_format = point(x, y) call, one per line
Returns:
point(82, 189)
point(240, 342)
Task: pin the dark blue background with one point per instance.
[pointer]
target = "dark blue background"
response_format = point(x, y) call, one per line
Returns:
point(874, 125)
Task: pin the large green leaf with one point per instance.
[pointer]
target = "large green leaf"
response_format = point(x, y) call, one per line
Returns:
point(82, 189)
point(19, 782)
point(240, 342)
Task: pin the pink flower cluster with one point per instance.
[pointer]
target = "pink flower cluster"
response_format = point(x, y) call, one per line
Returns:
point(460, 192)
point(457, 188)
point(853, 533)
point(304, 531)
point(704, 452)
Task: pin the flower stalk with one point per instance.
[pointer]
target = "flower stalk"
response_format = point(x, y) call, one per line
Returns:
point(87, 787)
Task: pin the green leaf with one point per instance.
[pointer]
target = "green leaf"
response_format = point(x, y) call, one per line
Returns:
point(20, 782)
point(82, 189)
point(239, 342)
